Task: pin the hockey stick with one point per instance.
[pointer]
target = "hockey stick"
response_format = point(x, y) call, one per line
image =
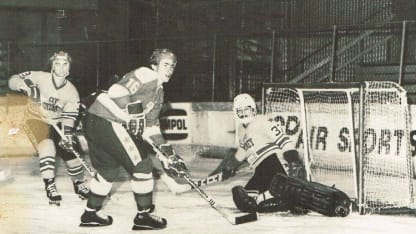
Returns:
point(216, 178)
point(73, 151)
point(233, 219)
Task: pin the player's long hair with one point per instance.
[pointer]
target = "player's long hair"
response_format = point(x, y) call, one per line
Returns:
point(158, 54)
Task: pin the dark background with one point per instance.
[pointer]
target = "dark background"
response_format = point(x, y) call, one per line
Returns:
point(224, 46)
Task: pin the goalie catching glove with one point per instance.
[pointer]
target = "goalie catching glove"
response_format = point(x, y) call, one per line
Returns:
point(172, 163)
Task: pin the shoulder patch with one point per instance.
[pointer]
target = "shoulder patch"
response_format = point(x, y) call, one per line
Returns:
point(145, 74)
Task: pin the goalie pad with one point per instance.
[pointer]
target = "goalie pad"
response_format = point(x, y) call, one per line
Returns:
point(314, 196)
point(242, 200)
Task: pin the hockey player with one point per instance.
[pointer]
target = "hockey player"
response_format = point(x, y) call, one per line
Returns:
point(54, 100)
point(114, 124)
point(152, 128)
point(267, 149)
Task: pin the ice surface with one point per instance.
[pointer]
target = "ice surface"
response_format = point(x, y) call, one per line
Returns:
point(25, 209)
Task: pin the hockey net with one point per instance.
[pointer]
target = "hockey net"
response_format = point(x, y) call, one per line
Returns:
point(351, 135)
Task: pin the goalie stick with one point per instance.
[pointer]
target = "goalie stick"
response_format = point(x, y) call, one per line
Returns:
point(216, 178)
point(231, 218)
point(73, 151)
point(209, 180)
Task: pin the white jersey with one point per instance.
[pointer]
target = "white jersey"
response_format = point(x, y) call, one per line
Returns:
point(260, 138)
point(58, 104)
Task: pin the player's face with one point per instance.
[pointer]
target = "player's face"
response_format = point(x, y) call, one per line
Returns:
point(165, 68)
point(60, 67)
point(245, 112)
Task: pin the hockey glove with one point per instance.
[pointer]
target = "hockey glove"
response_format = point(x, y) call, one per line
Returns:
point(229, 167)
point(172, 163)
point(136, 123)
point(68, 142)
point(296, 168)
point(32, 91)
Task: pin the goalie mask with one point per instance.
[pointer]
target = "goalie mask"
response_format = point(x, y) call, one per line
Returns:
point(60, 64)
point(244, 108)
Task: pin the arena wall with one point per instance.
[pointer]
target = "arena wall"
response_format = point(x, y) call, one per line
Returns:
point(13, 140)
point(210, 126)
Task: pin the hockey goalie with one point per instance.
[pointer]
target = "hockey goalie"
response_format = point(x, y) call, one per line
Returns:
point(279, 179)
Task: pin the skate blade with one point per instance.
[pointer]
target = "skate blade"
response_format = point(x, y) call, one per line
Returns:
point(56, 203)
point(82, 197)
point(139, 227)
point(93, 225)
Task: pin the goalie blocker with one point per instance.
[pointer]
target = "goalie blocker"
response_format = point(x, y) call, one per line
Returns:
point(314, 196)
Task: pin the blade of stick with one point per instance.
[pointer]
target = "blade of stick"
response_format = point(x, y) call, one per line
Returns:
point(234, 219)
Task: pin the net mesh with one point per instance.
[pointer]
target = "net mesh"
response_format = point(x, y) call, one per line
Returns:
point(386, 165)
point(322, 122)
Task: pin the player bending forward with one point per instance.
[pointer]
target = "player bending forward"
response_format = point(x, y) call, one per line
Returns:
point(54, 100)
point(114, 124)
point(266, 148)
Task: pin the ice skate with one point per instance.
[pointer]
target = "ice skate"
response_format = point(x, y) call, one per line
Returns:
point(51, 192)
point(81, 189)
point(95, 219)
point(147, 221)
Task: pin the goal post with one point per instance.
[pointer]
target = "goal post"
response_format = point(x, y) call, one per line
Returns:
point(352, 135)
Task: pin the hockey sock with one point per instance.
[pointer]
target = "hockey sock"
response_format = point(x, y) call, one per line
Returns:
point(142, 186)
point(47, 167)
point(143, 201)
point(76, 173)
point(95, 202)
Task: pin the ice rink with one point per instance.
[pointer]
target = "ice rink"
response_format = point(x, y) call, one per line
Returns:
point(24, 208)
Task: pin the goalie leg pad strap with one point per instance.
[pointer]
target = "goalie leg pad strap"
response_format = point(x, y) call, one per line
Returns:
point(317, 197)
point(273, 205)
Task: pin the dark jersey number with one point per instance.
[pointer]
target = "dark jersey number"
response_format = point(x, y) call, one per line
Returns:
point(276, 130)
